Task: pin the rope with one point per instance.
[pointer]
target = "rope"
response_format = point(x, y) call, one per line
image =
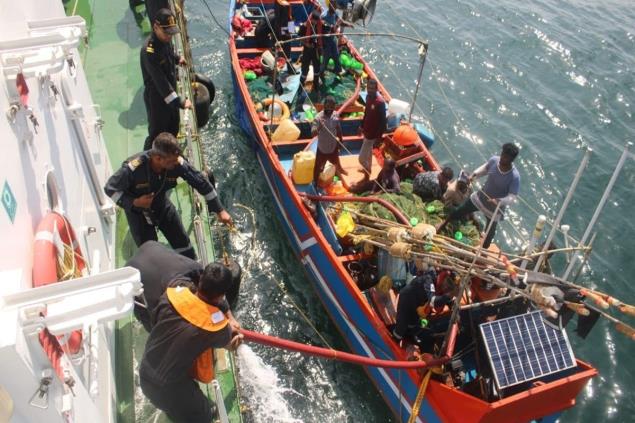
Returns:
point(284, 291)
point(276, 282)
point(420, 395)
point(209, 9)
point(67, 265)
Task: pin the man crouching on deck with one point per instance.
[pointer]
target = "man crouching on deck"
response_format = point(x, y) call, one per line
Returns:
point(187, 323)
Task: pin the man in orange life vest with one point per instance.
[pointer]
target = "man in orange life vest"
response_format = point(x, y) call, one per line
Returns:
point(187, 322)
point(311, 50)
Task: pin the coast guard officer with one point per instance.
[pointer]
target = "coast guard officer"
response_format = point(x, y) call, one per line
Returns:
point(158, 67)
point(140, 187)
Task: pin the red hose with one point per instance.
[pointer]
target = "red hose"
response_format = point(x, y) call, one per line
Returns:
point(394, 210)
point(352, 98)
point(337, 355)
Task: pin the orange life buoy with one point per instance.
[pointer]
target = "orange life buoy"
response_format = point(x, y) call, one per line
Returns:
point(52, 229)
point(283, 107)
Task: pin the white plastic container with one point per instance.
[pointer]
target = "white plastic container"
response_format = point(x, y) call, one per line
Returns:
point(327, 175)
point(398, 107)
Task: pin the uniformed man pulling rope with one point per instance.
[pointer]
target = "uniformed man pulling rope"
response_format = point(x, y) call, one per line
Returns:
point(158, 67)
point(140, 187)
point(189, 316)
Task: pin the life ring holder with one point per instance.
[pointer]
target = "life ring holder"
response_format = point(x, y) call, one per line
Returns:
point(283, 106)
point(45, 259)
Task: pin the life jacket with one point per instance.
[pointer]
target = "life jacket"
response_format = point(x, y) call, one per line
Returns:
point(203, 316)
point(310, 42)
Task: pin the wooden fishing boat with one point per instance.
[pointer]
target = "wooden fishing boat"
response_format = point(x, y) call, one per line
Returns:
point(363, 316)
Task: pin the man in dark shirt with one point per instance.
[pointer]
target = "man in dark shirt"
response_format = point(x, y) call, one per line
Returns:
point(373, 126)
point(432, 185)
point(282, 30)
point(418, 293)
point(185, 324)
point(311, 50)
point(158, 68)
point(160, 265)
point(140, 187)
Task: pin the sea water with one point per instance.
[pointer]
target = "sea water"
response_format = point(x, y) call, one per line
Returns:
point(553, 76)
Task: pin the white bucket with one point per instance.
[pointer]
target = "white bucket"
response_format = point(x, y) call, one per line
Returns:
point(326, 177)
point(397, 107)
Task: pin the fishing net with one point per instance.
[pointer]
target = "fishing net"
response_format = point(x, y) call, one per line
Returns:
point(260, 88)
point(417, 211)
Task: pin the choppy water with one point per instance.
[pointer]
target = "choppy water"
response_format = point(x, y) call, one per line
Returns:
point(553, 75)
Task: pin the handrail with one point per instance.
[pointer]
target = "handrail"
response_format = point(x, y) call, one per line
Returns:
point(189, 128)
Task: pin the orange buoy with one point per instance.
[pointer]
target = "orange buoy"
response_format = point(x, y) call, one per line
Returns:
point(405, 135)
point(45, 257)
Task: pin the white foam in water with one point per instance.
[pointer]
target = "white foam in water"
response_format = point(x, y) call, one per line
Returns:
point(265, 395)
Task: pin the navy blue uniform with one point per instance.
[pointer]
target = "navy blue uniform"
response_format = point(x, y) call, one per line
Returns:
point(158, 67)
point(136, 178)
point(173, 343)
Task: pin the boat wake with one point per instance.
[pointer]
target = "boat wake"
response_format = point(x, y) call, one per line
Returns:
point(261, 385)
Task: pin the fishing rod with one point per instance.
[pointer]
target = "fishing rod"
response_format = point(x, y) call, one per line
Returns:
point(403, 243)
point(446, 244)
point(359, 34)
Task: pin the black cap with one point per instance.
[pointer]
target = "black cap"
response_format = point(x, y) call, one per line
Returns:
point(165, 19)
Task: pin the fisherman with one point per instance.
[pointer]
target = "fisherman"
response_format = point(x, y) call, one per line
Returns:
point(187, 323)
point(457, 192)
point(501, 188)
point(387, 181)
point(432, 185)
point(416, 301)
point(388, 178)
point(140, 187)
point(326, 126)
point(330, 51)
point(283, 29)
point(308, 6)
point(311, 51)
point(158, 67)
point(373, 126)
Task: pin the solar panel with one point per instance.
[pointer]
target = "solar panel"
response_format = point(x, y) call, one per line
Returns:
point(523, 348)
